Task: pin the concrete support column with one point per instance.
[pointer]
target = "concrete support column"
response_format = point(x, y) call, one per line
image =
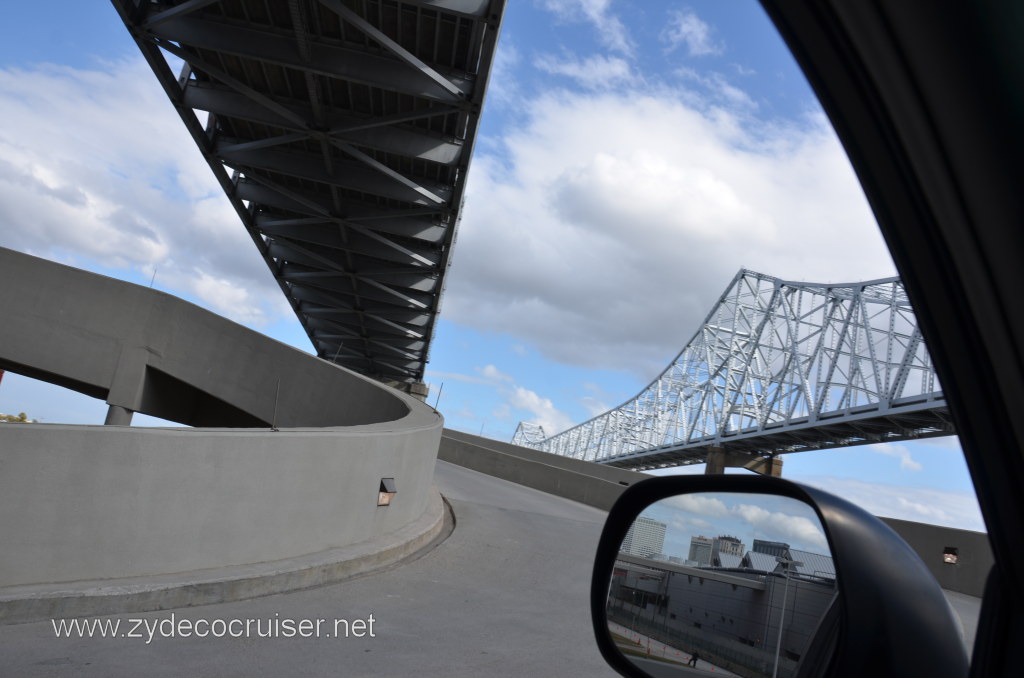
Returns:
point(716, 462)
point(125, 395)
point(416, 389)
point(767, 466)
point(719, 459)
point(118, 416)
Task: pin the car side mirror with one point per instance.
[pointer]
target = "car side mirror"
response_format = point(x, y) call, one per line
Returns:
point(761, 577)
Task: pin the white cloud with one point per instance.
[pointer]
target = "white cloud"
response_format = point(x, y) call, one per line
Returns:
point(717, 90)
point(923, 512)
point(699, 504)
point(596, 72)
point(919, 504)
point(686, 29)
point(780, 526)
point(516, 399)
point(597, 401)
point(465, 413)
point(609, 224)
point(96, 169)
point(593, 406)
point(42, 202)
point(686, 524)
point(455, 376)
point(502, 85)
point(226, 297)
point(492, 372)
point(900, 452)
point(610, 29)
point(544, 412)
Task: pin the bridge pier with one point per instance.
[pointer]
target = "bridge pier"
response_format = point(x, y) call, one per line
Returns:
point(118, 416)
point(416, 389)
point(719, 459)
point(127, 385)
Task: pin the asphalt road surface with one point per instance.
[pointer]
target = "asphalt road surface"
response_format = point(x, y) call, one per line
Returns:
point(505, 595)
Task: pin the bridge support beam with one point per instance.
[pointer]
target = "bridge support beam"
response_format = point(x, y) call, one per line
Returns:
point(720, 459)
point(416, 389)
point(127, 386)
point(118, 416)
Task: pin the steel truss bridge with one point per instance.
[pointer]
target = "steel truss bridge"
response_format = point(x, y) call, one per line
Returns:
point(341, 131)
point(777, 367)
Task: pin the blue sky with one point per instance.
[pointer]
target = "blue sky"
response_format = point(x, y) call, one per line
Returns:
point(632, 157)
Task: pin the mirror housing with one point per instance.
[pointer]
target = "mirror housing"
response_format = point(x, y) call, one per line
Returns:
point(891, 617)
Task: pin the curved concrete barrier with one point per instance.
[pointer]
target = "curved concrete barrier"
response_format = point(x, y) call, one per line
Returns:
point(593, 484)
point(83, 503)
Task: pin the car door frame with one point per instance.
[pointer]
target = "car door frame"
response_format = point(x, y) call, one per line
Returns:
point(921, 94)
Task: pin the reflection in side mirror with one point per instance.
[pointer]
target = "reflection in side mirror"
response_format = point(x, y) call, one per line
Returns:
point(735, 583)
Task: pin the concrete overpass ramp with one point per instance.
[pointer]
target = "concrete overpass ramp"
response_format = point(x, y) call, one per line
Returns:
point(275, 488)
point(505, 595)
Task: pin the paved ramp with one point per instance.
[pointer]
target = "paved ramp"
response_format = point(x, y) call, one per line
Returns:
point(505, 595)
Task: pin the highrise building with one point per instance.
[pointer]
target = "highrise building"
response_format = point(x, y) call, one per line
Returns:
point(645, 538)
point(728, 545)
point(700, 550)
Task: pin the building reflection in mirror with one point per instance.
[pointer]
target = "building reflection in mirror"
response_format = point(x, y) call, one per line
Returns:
point(738, 583)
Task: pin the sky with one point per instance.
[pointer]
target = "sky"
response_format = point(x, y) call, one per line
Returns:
point(744, 516)
point(632, 156)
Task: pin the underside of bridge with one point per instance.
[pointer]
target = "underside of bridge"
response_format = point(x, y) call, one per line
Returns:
point(341, 131)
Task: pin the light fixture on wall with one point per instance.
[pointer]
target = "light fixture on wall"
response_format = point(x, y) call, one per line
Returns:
point(950, 555)
point(387, 491)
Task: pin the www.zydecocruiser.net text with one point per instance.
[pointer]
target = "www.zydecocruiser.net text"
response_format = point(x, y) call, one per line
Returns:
point(184, 627)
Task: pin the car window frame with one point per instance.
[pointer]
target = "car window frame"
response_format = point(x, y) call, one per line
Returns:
point(920, 95)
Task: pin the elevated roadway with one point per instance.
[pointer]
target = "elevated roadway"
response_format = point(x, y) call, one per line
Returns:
point(283, 461)
point(341, 132)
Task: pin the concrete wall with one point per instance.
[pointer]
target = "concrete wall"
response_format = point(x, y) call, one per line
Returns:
point(928, 541)
point(101, 502)
point(599, 485)
point(588, 483)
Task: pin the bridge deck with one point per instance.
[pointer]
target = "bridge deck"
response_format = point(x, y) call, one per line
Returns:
point(842, 429)
point(342, 134)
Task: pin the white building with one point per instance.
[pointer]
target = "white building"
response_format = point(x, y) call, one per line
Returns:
point(645, 538)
